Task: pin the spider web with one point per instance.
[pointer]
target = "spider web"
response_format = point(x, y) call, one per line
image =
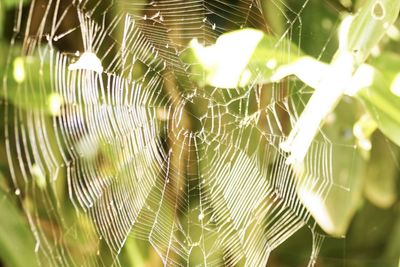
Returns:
point(145, 151)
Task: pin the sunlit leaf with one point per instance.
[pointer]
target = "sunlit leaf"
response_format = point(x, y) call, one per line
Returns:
point(240, 57)
point(309, 70)
point(368, 27)
point(356, 42)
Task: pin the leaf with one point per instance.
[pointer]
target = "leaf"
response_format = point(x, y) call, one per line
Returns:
point(368, 27)
point(382, 98)
point(239, 58)
point(309, 70)
point(380, 91)
point(380, 184)
point(133, 253)
point(16, 241)
point(334, 213)
point(357, 38)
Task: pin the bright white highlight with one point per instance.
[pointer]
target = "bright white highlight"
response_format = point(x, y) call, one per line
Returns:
point(87, 61)
point(39, 176)
point(395, 86)
point(19, 70)
point(228, 60)
point(55, 102)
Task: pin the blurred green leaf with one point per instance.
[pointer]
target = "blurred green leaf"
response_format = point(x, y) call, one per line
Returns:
point(380, 184)
point(335, 212)
point(273, 15)
point(239, 58)
point(13, 3)
point(17, 245)
point(134, 255)
point(382, 98)
point(368, 27)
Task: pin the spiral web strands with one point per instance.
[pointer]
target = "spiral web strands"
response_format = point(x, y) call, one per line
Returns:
point(145, 152)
